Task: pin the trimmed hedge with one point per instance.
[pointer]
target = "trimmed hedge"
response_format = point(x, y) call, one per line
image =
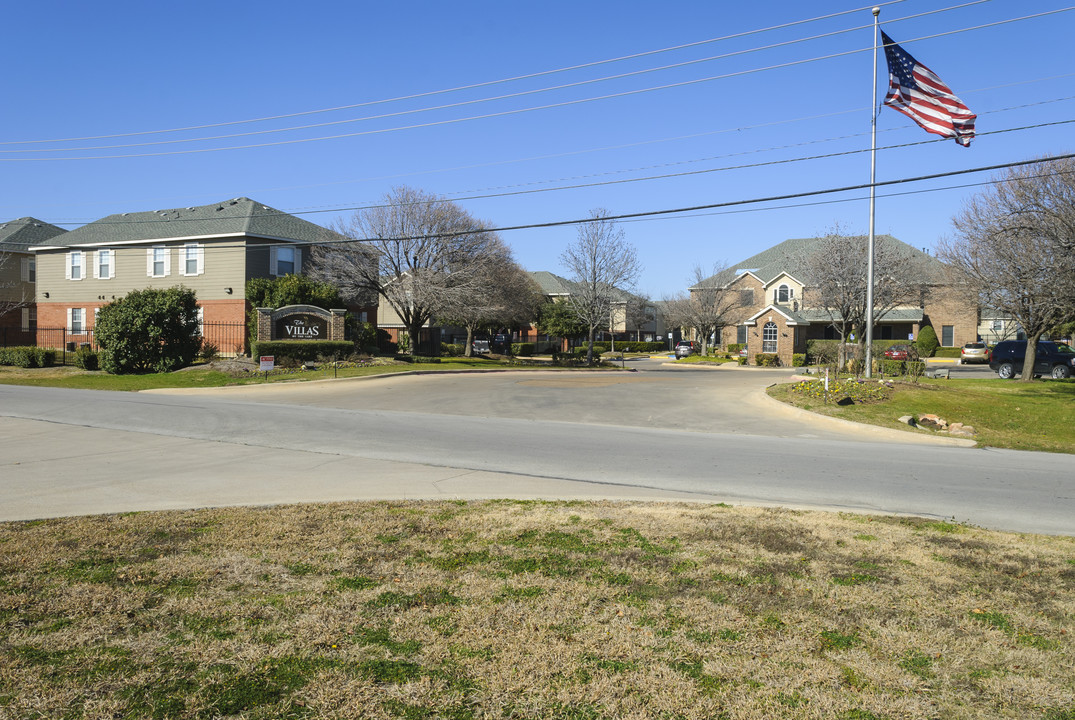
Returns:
point(798, 359)
point(27, 356)
point(734, 348)
point(87, 359)
point(947, 352)
point(302, 350)
point(524, 349)
point(767, 360)
point(453, 349)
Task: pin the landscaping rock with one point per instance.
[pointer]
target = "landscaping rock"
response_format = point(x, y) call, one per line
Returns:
point(932, 422)
point(908, 420)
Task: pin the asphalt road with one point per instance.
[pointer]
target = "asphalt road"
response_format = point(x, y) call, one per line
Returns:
point(656, 434)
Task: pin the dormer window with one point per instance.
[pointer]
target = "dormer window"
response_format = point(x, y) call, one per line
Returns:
point(784, 294)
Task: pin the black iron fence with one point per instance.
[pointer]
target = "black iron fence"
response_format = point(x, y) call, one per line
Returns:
point(229, 338)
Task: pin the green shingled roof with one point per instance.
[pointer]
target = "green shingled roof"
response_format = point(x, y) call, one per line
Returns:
point(240, 216)
point(553, 284)
point(18, 235)
point(791, 257)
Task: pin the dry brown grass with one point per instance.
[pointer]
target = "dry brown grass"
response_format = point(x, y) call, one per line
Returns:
point(532, 610)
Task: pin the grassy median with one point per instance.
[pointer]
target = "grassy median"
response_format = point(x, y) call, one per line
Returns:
point(1004, 413)
point(511, 609)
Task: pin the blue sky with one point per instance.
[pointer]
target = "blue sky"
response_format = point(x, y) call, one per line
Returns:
point(78, 70)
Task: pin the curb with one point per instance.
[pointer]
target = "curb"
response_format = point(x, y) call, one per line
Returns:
point(882, 433)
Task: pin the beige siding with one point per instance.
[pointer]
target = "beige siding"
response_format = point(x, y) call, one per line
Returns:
point(12, 288)
point(223, 267)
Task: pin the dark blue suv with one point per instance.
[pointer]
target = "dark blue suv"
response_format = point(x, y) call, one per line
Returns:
point(1052, 358)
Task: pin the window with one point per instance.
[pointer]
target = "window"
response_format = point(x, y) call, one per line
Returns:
point(29, 269)
point(768, 338)
point(158, 262)
point(284, 261)
point(746, 296)
point(946, 336)
point(784, 294)
point(74, 265)
point(193, 263)
point(29, 318)
point(997, 326)
point(741, 334)
point(104, 269)
point(76, 320)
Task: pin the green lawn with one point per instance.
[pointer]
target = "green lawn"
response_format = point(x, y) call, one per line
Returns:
point(200, 377)
point(520, 610)
point(1006, 414)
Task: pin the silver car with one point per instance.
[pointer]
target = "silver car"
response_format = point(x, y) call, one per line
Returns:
point(684, 348)
point(974, 352)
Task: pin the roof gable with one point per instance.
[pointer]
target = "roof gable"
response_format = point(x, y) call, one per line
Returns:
point(238, 217)
point(19, 235)
point(792, 257)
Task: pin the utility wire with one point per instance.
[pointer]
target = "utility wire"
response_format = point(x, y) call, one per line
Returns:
point(477, 101)
point(491, 82)
point(648, 213)
point(504, 113)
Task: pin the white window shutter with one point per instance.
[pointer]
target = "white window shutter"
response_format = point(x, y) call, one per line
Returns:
point(201, 259)
point(298, 260)
point(67, 268)
point(26, 318)
point(149, 262)
point(167, 261)
point(97, 265)
point(68, 319)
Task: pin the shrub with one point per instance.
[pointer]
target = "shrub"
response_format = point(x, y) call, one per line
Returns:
point(631, 346)
point(27, 356)
point(798, 359)
point(742, 361)
point(734, 348)
point(524, 349)
point(947, 352)
point(302, 350)
point(453, 349)
point(87, 359)
point(767, 360)
point(209, 351)
point(891, 367)
point(927, 341)
point(151, 330)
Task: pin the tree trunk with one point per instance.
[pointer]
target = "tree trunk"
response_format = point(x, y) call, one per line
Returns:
point(415, 333)
point(589, 349)
point(469, 352)
point(1031, 357)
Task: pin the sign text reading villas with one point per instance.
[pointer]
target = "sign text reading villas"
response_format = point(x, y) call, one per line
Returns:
point(302, 329)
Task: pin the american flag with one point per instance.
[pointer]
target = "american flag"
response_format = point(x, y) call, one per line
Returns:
point(915, 91)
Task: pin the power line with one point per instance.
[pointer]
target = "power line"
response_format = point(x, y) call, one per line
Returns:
point(477, 101)
point(490, 82)
point(623, 217)
point(452, 121)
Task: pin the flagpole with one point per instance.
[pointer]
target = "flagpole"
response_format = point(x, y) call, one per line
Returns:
point(873, 178)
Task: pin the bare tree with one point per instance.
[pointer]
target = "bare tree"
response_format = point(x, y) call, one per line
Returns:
point(707, 307)
point(602, 265)
point(1015, 245)
point(420, 252)
point(837, 268)
point(505, 296)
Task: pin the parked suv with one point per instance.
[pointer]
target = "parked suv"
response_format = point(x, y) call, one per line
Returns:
point(684, 348)
point(1052, 358)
